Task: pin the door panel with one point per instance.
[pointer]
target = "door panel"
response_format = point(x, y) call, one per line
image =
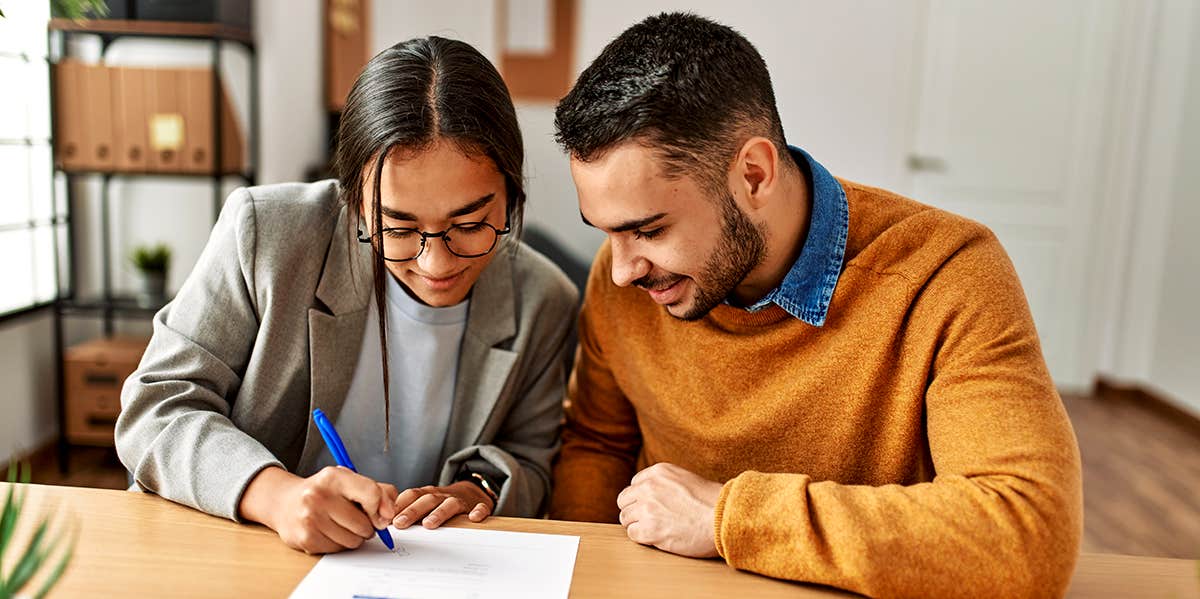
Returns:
point(1010, 116)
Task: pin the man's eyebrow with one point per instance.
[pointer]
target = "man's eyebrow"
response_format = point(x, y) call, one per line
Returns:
point(465, 210)
point(637, 224)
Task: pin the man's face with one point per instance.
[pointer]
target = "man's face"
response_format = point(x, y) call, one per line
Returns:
point(669, 236)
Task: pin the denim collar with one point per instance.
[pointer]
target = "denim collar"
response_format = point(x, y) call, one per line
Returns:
point(806, 290)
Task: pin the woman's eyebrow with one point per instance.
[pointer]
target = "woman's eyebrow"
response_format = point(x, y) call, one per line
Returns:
point(473, 206)
point(465, 210)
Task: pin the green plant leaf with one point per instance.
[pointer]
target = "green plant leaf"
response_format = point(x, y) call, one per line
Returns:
point(60, 567)
point(29, 563)
point(5, 531)
point(43, 548)
point(78, 10)
point(154, 259)
point(8, 520)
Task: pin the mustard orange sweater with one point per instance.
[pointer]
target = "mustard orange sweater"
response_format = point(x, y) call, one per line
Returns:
point(914, 445)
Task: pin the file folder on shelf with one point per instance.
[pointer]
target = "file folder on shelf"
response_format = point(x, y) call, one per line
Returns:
point(69, 119)
point(129, 101)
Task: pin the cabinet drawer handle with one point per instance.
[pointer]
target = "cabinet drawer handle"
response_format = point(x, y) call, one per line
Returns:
point(102, 421)
point(101, 378)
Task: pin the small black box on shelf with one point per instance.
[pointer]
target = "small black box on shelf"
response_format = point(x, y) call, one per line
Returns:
point(235, 13)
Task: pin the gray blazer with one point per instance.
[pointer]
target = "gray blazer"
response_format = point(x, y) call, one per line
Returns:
point(269, 325)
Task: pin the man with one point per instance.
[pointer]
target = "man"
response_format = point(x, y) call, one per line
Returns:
point(811, 378)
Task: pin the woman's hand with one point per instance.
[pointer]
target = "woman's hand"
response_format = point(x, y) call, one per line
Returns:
point(332, 510)
point(433, 506)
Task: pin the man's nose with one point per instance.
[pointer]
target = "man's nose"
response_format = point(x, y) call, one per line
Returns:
point(627, 265)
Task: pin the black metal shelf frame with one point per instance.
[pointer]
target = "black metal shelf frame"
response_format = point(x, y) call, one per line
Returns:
point(108, 306)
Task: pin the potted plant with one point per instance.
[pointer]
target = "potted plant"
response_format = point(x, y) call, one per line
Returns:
point(20, 567)
point(151, 263)
point(75, 9)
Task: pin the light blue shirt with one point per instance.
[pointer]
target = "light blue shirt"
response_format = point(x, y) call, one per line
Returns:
point(423, 348)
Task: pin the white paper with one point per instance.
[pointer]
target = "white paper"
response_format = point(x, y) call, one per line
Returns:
point(528, 27)
point(448, 563)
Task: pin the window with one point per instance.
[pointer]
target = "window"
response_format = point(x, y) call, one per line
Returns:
point(29, 219)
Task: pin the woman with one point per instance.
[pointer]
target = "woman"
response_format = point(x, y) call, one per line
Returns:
point(397, 299)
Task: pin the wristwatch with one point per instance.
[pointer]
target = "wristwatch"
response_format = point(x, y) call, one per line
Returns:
point(483, 482)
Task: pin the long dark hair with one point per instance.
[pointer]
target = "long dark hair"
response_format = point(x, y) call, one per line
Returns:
point(407, 98)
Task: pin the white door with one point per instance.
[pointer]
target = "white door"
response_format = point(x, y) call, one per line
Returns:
point(1010, 127)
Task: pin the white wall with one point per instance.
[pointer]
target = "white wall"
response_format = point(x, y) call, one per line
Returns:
point(1175, 362)
point(292, 102)
point(28, 414)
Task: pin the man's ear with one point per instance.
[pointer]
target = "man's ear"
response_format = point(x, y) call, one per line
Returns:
point(756, 171)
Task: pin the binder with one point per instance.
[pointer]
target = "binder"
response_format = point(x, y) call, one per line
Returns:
point(197, 120)
point(129, 100)
point(165, 126)
point(69, 143)
point(233, 144)
point(197, 90)
point(99, 144)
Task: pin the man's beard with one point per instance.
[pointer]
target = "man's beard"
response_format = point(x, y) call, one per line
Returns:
point(741, 249)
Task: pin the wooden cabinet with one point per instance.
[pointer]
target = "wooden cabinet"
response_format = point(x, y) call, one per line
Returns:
point(93, 374)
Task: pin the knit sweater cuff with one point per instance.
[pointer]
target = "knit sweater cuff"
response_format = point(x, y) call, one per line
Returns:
point(719, 516)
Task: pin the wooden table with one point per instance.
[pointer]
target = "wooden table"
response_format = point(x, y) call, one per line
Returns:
point(135, 545)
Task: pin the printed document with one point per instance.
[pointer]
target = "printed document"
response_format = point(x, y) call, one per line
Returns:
point(448, 563)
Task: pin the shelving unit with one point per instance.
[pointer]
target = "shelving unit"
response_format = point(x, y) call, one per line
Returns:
point(108, 306)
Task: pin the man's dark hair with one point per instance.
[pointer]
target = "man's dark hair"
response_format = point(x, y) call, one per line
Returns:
point(689, 88)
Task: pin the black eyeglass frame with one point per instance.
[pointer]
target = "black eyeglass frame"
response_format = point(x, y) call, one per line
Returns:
point(363, 238)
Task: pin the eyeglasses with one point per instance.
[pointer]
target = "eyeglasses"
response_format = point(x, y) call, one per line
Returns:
point(465, 240)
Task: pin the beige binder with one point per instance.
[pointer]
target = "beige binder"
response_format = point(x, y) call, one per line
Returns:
point(129, 102)
point(165, 126)
point(198, 119)
point(69, 119)
point(233, 143)
point(98, 111)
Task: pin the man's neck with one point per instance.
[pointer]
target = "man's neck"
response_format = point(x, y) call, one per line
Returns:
point(785, 228)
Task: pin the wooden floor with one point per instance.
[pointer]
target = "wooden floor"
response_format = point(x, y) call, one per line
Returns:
point(96, 467)
point(1141, 477)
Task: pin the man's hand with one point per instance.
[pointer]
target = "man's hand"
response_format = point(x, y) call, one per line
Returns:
point(332, 510)
point(433, 506)
point(672, 509)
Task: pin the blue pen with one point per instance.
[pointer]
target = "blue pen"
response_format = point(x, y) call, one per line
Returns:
point(334, 443)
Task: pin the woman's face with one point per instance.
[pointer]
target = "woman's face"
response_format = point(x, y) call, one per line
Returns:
point(432, 191)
